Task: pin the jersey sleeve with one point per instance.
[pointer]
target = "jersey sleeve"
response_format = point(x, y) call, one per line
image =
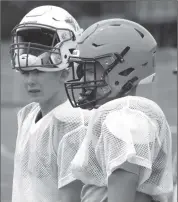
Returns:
point(67, 150)
point(127, 136)
point(72, 127)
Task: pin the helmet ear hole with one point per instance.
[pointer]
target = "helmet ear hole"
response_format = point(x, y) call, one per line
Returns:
point(126, 72)
point(129, 85)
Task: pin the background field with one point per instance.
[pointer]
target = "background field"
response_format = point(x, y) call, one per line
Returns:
point(13, 97)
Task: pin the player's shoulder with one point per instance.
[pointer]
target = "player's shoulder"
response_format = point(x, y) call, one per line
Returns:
point(137, 103)
point(141, 116)
point(27, 109)
point(131, 110)
point(70, 122)
point(148, 107)
point(24, 112)
point(69, 115)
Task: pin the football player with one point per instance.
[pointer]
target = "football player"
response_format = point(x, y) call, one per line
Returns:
point(126, 155)
point(48, 127)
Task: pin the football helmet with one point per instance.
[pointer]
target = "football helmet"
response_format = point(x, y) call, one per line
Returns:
point(120, 54)
point(44, 39)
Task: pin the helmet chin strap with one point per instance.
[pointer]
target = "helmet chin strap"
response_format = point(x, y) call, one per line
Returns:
point(128, 88)
point(89, 102)
point(95, 103)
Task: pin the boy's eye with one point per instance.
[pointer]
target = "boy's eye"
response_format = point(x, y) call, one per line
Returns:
point(80, 71)
point(90, 70)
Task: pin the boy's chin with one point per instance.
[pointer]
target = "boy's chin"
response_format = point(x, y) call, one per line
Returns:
point(36, 99)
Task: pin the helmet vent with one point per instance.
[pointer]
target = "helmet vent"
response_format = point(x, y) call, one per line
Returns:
point(144, 65)
point(71, 50)
point(126, 72)
point(97, 45)
point(115, 25)
point(55, 19)
point(141, 34)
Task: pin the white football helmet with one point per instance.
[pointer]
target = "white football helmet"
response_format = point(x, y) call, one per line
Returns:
point(44, 39)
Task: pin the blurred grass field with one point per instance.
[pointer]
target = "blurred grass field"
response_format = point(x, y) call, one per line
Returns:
point(13, 97)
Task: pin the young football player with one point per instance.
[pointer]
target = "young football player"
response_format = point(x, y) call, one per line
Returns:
point(48, 127)
point(126, 155)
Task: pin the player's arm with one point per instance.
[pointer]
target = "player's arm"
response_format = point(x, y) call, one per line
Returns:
point(122, 184)
point(71, 192)
point(124, 136)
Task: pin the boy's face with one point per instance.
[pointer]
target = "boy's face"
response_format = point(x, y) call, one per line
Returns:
point(89, 77)
point(41, 86)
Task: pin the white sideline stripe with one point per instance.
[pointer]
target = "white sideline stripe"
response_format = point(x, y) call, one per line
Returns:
point(6, 153)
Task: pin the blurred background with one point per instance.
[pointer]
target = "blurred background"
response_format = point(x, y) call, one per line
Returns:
point(159, 17)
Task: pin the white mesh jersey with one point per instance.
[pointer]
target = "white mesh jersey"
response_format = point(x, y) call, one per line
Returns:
point(40, 168)
point(126, 130)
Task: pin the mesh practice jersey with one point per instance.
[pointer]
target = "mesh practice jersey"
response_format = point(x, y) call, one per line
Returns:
point(39, 168)
point(126, 130)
